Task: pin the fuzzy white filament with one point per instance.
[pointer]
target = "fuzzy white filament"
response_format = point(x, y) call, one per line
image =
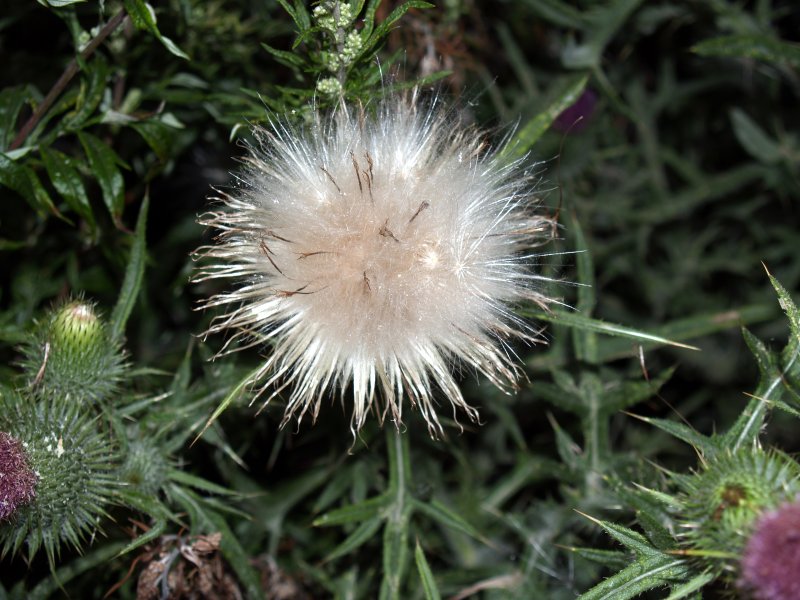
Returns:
point(374, 252)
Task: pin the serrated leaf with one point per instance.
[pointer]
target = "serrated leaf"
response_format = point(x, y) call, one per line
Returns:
point(632, 540)
point(564, 96)
point(134, 274)
point(788, 306)
point(67, 181)
point(647, 573)
point(426, 575)
point(754, 139)
point(682, 432)
point(103, 161)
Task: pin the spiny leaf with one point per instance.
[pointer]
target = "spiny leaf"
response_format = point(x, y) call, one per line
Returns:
point(426, 575)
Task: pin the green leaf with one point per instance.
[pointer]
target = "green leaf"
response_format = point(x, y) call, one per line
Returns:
point(199, 483)
point(695, 584)
point(789, 307)
point(229, 398)
point(25, 182)
point(60, 3)
point(158, 135)
point(564, 96)
point(103, 162)
point(363, 533)
point(134, 274)
point(682, 432)
point(602, 24)
point(383, 28)
point(12, 99)
point(647, 573)
point(290, 59)
point(445, 516)
point(758, 46)
point(355, 513)
point(574, 320)
point(67, 181)
point(629, 538)
point(426, 575)
point(558, 13)
point(613, 559)
point(93, 87)
point(95, 559)
point(144, 17)
point(753, 139)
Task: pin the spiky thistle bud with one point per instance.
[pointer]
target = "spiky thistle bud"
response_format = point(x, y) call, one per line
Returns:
point(17, 479)
point(74, 464)
point(72, 355)
point(722, 502)
point(770, 565)
point(374, 251)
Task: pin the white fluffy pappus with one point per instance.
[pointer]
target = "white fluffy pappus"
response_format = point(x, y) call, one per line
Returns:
point(374, 251)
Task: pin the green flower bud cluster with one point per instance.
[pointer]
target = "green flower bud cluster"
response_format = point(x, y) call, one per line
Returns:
point(326, 17)
point(343, 43)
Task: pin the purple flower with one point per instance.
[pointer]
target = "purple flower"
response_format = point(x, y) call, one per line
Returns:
point(770, 567)
point(576, 117)
point(17, 480)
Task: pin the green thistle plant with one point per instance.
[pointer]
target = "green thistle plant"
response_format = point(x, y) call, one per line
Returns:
point(72, 355)
point(74, 462)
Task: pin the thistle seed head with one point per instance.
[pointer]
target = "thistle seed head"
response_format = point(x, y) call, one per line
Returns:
point(373, 252)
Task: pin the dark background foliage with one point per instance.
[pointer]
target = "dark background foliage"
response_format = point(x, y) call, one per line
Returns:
point(678, 183)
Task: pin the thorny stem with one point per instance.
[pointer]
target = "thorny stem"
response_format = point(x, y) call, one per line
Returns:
point(59, 86)
point(399, 512)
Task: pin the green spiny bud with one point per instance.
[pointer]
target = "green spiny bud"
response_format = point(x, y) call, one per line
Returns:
point(722, 502)
point(74, 463)
point(145, 467)
point(72, 356)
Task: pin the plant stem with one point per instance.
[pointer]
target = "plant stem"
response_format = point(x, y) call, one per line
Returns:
point(395, 533)
point(59, 86)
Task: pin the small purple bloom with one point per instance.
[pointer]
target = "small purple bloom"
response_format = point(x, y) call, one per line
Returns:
point(17, 480)
point(771, 560)
point(576, 117)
